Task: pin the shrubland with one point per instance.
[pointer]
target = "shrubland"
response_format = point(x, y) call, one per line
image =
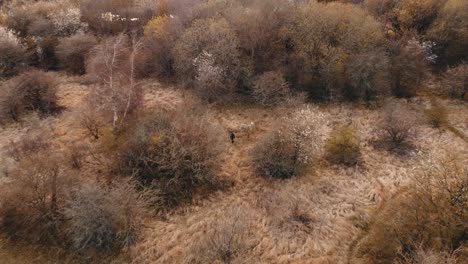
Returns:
point(122, 148)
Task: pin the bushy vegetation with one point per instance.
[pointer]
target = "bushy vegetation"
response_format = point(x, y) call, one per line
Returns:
point(31, 91)
point(343, 146)
point(114, 16)
point(455, 82)
point(175, 153)
point(330, 50)
point(207, 54)
point(32, 200)
point(12, 53)
point(72, 52)
point(276, 156)
point(270, 88)
point(287, 150)
point(45, 202)
point(449, 32)
point(397, 124)
point(160, 36)
point(104, 218)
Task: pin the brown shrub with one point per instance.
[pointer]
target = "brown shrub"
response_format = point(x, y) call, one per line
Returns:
point(76, 155)
point(177, 154)
point(104, 218)
point(417, 14)
point(455, 81)
point(408, 66)
point(450, 33)
point(12, 53)
point(270, 88)
point(33, 143)
point(431, 216)
point(160, 36)
point(397, 124)
point(368, 76)
point(46, 48)
point(343, 146)
point(276, 156)
point(91, 121)
point(294, 144)
point(437, 115)
point(345, 28)
point(12, 58)
point(72, 52)
point(31, 91)
point(33, 196)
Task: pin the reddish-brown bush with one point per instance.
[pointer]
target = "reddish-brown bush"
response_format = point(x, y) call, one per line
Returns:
point(12, 53)
point(34, 195)
point(437, 115)
point(104, 218)
point(270, 88)
point(72, 52)
point(31, 91)
point(409, 66)
point(12, 59)
point(177, 154)
point(450, 33)
point(455, 82)
point(276, 156)
point(368, 76)
point(160, 36)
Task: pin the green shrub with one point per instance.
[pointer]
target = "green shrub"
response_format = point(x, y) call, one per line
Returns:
point(343, 146)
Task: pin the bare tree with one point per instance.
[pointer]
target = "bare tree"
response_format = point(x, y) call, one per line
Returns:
point(118, 93)
point(397, 124)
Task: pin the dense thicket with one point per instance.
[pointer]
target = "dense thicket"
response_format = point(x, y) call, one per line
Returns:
point(329, 49)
